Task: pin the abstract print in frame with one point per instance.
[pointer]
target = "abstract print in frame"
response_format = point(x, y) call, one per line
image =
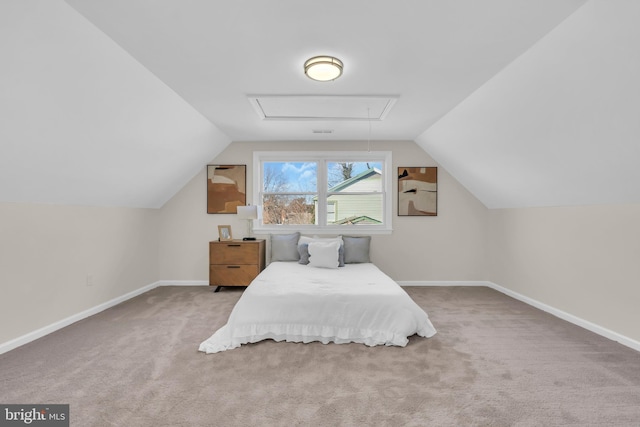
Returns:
point(418, 191)
point(226, 188)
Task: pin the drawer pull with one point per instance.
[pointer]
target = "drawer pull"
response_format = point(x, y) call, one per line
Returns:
point(233, 266)
point(234, 245)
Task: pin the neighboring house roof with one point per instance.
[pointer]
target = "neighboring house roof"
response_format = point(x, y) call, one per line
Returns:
point(358, 219)
point(349, 182)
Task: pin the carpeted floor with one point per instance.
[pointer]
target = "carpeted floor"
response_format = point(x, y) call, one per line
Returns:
point(494, 362)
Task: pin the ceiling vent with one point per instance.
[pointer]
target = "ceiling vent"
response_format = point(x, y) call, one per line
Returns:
point(326, 107)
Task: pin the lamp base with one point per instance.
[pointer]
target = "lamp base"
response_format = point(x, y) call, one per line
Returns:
point(248, 238)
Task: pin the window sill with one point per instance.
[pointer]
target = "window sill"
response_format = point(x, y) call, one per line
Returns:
point(312, 229)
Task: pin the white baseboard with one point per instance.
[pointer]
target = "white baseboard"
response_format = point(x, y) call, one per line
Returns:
point(441, 283)
point(607, 333)
point(39, 333)
point(183, 283)
point(31, 336)
point(600, 330)
point(46, 330)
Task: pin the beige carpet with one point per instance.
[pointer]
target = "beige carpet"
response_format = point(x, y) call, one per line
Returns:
point(494, 362)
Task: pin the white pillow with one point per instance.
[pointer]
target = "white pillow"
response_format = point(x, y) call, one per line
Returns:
point(338, 238)
point(324, 254)
point(307, 239)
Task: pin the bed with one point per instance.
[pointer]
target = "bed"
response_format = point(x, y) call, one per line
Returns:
point(289, 301)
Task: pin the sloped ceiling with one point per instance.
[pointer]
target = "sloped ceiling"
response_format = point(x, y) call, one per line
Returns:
point(430, 53)
point(120, 102)
point(85, 123)
point(558, 126)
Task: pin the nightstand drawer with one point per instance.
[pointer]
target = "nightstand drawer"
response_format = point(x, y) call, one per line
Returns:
point(233, 253)
point(235, 262)
point(232, 275)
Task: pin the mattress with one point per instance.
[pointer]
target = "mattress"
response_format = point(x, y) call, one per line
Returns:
point(297, 303)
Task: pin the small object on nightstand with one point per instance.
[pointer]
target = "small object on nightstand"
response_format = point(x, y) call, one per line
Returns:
point(248, 239)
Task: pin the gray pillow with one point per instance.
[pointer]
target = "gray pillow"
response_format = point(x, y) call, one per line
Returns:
point(356, 249)
point(284, 247)
point(303, 251)
point(341, 256)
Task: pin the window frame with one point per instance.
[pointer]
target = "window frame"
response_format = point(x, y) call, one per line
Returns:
point(322, 158)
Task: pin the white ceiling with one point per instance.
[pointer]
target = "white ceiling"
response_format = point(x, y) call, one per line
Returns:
point(431, 53)
point(135, 96)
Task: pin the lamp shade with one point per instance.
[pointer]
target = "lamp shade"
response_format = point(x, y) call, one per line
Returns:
point(248, 212)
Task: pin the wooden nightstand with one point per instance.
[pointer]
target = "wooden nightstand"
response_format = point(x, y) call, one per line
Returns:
point(235, 262)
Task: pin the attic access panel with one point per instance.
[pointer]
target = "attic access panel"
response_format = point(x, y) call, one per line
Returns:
point(327, 107)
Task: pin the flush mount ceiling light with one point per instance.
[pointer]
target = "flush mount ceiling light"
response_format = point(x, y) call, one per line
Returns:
point(323, 68)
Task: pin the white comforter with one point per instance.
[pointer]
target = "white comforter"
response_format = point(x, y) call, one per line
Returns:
point(293, 302)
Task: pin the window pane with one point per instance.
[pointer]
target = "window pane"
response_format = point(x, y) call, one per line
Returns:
point(353, 209)
point(290, 177)
point(288, 209)
point(354, 176)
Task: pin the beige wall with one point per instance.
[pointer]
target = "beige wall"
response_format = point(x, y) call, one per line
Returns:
point(47, 251)
point(447, 247)
point(581, 260)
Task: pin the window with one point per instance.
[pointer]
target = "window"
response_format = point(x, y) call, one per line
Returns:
point(332, 192)
point(331, 211)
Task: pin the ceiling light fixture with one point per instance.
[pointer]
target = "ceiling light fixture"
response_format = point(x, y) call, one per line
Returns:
point(323, 68)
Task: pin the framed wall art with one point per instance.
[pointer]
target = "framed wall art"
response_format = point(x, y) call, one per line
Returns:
point(418, 191)
point(226, 188)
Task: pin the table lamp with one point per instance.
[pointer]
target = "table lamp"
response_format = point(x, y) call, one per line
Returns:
point(249, 213)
